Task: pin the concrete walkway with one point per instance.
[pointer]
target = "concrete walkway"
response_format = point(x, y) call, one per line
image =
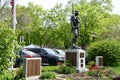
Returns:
point(61, 77)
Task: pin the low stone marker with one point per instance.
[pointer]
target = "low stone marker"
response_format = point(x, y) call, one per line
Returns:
point(32, 68)
point(99, 61)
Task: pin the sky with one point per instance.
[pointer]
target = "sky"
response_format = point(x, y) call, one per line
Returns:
point(116, 4)
point(47, 4)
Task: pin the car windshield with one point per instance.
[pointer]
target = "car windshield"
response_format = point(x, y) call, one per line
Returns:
point(28, 53)
point(50, 51)
point(61, 52)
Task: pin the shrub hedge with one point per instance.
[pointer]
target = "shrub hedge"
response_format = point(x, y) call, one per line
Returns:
point(48, 75)
point(66, 68)
point(109, 49)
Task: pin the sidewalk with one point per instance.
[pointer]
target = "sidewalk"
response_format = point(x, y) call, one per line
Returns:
point(61, 77)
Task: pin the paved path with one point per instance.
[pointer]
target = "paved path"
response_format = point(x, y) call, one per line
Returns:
point(61, 77)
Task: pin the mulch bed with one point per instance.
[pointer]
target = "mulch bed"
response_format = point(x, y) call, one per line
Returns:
point(83, 76)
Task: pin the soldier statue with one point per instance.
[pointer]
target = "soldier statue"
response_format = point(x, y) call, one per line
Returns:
point(75, 27)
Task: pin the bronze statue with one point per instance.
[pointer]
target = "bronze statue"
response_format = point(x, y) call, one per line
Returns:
point(75, 27)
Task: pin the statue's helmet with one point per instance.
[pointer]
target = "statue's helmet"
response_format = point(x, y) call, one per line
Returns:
point(76, 12)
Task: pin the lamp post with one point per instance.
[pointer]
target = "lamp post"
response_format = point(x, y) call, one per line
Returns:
point(21, 39)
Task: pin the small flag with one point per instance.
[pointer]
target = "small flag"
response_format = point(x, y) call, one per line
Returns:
point(13, 12)
point(12, 4)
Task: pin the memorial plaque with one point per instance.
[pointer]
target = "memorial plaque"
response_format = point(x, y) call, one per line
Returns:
point(71, 57)
point(76, 57)
point(100, 61)
point(32, 67)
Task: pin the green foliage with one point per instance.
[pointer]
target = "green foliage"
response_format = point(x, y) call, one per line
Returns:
point(48, 75)
point(106, 72)
point(102, 72)
point(19, 75)
point(66, 69)
point(109, 49)
point(92, 19)
point(8, 75)
point(91, 73)
point(49, 68)
point(91, 63)
point(69, 79)
point(6, 46)
point(52, 27)
point(116, 69)
point(92, 66)
point(112, 29)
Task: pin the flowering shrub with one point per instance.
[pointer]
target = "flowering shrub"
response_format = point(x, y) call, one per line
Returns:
point(92, 66)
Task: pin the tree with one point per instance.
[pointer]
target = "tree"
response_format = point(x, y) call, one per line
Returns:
point(52, 27)
point(59, 26)
point(112, 27)
point(6, 46)
point(29, 19)
point(92, 15)
point(4, 11)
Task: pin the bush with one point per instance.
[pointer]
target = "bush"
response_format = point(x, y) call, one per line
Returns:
point(19, 74)
point(8, 75)
point(92, 73)
point(6, 47)
point(92, 66)
point(48, 75)
point(66, 69)
point(109, 49)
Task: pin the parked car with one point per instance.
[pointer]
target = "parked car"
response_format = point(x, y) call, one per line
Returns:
point(31, 46)
point(59, 51)
point(21, 55)
point(48, 55)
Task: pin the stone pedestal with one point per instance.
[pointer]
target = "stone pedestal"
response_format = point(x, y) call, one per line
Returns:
point(77, 58)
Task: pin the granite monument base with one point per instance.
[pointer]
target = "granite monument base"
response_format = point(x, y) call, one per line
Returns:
point(76, 57)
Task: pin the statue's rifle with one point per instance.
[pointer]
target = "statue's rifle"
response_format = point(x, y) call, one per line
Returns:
point(72, 7)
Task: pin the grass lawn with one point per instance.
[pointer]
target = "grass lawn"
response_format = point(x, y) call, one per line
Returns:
point(81, 76)
point(116, 69)
point(54, 68)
